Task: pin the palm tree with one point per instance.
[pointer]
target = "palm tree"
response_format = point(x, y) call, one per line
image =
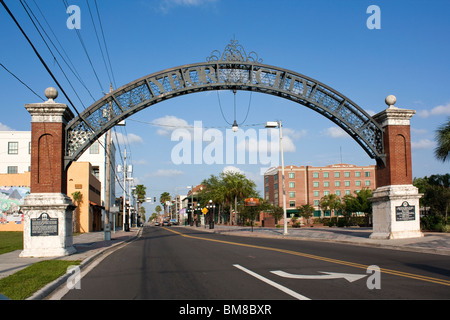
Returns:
point(140, 192)
point(237, 187)
point(443, 139)
point(165, 196)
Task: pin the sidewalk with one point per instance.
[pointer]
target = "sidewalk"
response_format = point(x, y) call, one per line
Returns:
point(431, 242)
point(89, 246)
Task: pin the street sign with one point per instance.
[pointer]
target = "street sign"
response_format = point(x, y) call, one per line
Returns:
point(205, 211)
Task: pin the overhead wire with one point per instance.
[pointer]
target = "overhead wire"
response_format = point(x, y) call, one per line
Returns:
point(1, 64)
point(39, 56)
point(72, 67)
point(27, 9)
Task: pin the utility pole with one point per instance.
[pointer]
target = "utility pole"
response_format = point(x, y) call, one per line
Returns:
point(124, 188)
point(107, 227)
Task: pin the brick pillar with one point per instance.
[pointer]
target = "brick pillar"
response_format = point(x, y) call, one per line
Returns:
point(396, 200)
point(48, 122)
point(47, 226)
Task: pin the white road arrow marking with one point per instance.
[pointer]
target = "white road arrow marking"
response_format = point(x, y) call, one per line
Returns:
point(327, 275)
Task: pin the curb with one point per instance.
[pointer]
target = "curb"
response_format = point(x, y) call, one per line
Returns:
point(55, 284)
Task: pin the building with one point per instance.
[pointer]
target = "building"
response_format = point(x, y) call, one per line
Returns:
point(87, 217)
point(15, 151)
point(308, 184)
point(15, 162)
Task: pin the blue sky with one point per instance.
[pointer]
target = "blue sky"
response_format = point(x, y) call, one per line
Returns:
point(325, 40)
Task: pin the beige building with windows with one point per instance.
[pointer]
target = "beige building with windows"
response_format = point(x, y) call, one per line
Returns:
point(307, 184)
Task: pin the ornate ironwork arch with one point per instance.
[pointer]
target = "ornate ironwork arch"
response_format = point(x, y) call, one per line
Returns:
point(233, 69)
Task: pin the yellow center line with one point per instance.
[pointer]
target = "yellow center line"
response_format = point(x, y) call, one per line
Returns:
point(315, 257)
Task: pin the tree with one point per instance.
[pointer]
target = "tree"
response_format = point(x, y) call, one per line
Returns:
point(165, 196)
point(436, 197)
point(306, 211)
point(77, 197)
point(443, 142)
point(140, 193)
point(237, 187)
point(360, 202)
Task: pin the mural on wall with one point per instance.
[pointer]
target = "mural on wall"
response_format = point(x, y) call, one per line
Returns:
point(11, 198)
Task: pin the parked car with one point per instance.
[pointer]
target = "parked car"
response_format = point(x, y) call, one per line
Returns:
point(157, 224)
point(174, 222)
point(166, 223)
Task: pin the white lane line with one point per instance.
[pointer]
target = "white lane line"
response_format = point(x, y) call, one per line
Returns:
point(272, 283)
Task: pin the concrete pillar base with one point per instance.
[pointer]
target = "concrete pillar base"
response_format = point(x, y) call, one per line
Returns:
point(396, 212)
point(47, 229)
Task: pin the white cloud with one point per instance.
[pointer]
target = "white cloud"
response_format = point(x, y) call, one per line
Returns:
point(335, 132)
point(165, 5)
point(4, 127)
point(130, 138)
point(419, 131)
point(167, 173)
point(423, 144)
point(232, 169)
point(436, 111)
point(170, 123)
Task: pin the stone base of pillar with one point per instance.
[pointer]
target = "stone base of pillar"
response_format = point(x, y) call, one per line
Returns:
point(396, 212)
point(47, 229)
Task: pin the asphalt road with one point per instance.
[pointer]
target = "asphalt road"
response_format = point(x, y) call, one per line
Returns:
point(174, 263)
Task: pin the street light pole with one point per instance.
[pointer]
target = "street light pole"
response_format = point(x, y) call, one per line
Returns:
point(274, 125)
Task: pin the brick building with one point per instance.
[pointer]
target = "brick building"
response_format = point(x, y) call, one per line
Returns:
point(307, 184)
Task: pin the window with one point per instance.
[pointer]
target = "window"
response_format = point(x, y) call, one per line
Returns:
point(326, 174)
point(347, 183)
point(315, 174)
point(347, 174)
point(292, 204)
point(316, 194)
point(316, 184)
point(337, 174)
point(291, 194)
point(29, 147)
point(367, 182)
point(12, 169)
point(326, 193)
point(267, 179)
point(316, 202)
point(358, 174)
point(94, 149)
point(291, 184)
point(337, 183)
point(13, 148)
point(358, 183)
point(326, 183)
point(347, 192)
point(275, 177)
point(338, 192)
point(367, 173)
point(96, 172)
point(291, 175)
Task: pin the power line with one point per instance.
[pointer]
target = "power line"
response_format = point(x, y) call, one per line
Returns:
point(98, 41)
point(86, 52)
point(39, 56)
point(104, 41)
point(51, 52)
point(71, 66)
point(1, 64)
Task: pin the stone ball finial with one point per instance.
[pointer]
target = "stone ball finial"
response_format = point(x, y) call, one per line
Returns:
point(51, 93)
point(390, 100)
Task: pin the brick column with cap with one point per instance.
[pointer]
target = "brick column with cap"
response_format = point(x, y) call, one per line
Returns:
point(48, 121)
point(47, 210)
point(395, 202)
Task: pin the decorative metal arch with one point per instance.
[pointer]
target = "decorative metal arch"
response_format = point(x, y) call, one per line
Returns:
point(233, 69)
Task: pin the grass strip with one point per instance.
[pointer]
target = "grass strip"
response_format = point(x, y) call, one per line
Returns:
point(25, 282)
point(11, 241)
